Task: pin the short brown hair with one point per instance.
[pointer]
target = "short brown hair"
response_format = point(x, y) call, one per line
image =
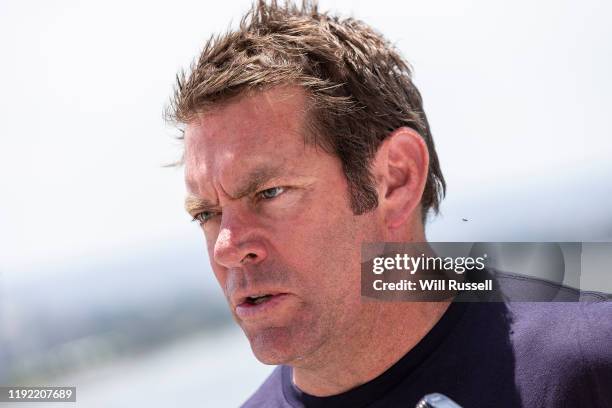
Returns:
point(359, 87)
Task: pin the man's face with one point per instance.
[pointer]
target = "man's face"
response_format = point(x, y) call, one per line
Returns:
point(278, 224)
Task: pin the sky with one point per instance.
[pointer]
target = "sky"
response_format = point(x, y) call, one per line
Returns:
point(518, 95)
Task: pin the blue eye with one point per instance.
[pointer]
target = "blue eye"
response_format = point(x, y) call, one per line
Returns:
point(271, 192)
point(203, 216)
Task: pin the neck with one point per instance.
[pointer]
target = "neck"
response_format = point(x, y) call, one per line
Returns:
point(364, 351)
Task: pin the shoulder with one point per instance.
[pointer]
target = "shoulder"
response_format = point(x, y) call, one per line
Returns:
point(562, 321)
point(564, 347)
point(270, 393)
point(582, 328)
point(556, 317)
point(561, 345)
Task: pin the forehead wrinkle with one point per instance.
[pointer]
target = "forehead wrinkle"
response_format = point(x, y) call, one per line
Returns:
point(256, 178)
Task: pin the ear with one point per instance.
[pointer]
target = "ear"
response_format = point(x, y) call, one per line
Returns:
point(400, 167)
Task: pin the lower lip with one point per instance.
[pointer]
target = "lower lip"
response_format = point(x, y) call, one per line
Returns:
point(247, 310)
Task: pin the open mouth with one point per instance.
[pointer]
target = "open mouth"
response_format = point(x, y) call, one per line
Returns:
point(256, 300)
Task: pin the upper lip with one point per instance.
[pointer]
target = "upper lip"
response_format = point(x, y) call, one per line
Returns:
point(242, 297)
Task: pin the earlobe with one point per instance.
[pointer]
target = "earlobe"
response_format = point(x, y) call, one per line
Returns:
point(402, 168)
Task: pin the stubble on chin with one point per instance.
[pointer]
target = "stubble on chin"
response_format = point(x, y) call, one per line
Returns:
point(295, 343)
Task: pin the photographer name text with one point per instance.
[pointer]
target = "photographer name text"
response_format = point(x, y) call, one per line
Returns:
point(433, 285)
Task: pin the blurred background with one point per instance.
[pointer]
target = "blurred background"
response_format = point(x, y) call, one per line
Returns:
point(105, 283)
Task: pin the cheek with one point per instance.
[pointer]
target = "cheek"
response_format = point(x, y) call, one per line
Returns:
point(329, 274)
point(326, 253)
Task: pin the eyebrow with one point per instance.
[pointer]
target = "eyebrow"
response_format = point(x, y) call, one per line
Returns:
point(253, 182)
point(195, 205)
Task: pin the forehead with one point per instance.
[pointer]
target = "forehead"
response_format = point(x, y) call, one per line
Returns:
point(259, 128)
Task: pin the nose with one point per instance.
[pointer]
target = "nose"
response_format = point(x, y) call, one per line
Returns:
point(239, 241)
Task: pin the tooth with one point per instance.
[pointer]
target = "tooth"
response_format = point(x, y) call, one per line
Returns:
point(260, 299)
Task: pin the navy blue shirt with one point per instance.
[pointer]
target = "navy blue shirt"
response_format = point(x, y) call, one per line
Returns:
point(502, 354)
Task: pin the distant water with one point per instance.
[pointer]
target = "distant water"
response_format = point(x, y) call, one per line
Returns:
point(215, 370)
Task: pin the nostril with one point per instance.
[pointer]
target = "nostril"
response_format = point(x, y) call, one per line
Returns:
point(249, 256)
